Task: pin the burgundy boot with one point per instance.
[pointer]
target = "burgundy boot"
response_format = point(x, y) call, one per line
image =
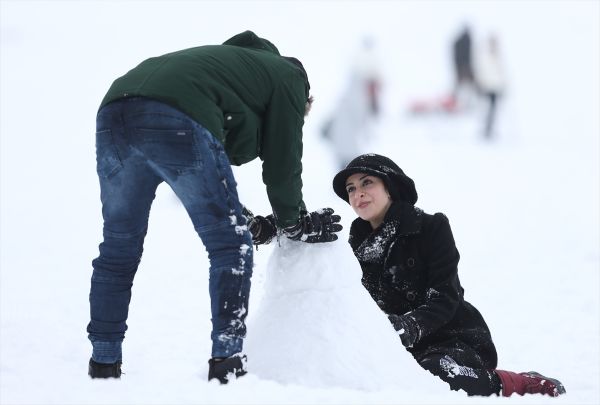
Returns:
point(529, 383)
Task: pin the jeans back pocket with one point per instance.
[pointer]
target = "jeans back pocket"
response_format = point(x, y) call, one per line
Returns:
point(108, 161)
point(172, 148)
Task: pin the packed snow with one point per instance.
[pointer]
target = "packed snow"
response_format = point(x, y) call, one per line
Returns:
point(524, 208)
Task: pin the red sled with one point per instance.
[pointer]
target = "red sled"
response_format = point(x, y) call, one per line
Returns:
point(446, 104)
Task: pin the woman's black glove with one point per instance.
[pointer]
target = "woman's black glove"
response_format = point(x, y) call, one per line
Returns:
point(407, 328)
point(315, 227)
point(263, 229)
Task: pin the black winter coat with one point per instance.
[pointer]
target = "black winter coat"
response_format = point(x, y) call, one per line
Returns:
point(410, 266)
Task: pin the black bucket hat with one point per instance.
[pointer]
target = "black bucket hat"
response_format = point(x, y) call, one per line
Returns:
point(399, 185)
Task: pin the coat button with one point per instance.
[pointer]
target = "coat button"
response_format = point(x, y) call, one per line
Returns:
point(380, 303)
point(411, 295)
point(229, 117)
point(411, 262)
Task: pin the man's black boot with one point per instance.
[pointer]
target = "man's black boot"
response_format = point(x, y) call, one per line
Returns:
point(100, 370)
point(227, 369)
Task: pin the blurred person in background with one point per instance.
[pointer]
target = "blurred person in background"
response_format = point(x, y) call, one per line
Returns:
point(464, 78)
point(410, 268)
point(464, 89)
point(490, 79)
point(183, 118)
point(358, 107)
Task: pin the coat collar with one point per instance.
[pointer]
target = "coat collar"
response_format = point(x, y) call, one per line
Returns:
point(407, 218)
point(410, 218)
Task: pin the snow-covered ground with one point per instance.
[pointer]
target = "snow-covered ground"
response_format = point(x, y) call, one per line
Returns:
point(524, 208)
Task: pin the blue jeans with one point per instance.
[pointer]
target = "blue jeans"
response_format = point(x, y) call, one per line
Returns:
point(139, 144)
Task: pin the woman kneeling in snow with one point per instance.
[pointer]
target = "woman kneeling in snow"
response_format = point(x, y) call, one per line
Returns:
point(409, 263)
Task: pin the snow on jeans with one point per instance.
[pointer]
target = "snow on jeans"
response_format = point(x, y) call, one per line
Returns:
point(139, 144)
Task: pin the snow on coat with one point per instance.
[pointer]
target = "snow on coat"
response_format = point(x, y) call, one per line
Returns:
point(410, 265)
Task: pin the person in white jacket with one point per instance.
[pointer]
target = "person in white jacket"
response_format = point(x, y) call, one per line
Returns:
point(490, 79)
point(357, 108)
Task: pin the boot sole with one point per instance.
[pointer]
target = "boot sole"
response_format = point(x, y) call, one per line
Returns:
point(559, 387)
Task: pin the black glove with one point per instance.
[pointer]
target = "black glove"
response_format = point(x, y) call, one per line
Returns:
point(263, 229)
point(407, 328)
point(315, 227)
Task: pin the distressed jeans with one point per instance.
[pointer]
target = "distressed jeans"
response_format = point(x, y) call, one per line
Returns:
point(141, 143)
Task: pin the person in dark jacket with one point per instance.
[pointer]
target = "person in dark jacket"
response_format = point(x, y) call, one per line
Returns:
point(183, 118)
point(410, 268)
point(461, 56)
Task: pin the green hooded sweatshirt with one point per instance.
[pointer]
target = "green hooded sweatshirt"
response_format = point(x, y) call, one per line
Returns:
point(247, 95)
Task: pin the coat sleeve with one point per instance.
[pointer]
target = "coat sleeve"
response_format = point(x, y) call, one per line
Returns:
point(281, 150)
point(443, 291)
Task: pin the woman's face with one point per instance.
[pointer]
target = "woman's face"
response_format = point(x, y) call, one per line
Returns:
point(368, 197)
